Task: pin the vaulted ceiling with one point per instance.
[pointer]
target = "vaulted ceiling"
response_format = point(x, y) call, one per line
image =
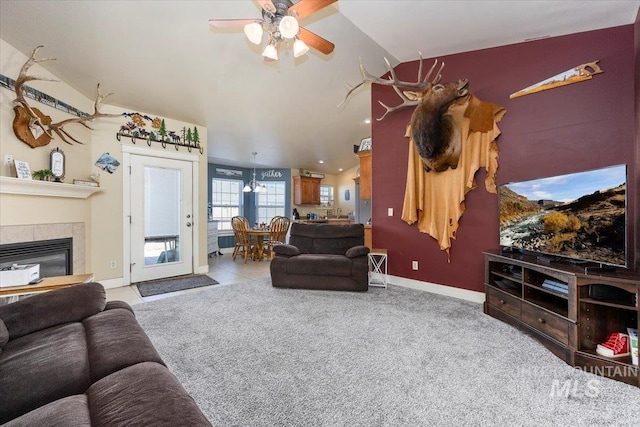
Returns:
point(163, 58)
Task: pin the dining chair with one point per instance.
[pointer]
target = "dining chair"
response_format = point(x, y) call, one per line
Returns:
point(278, 228)
point(243, 246)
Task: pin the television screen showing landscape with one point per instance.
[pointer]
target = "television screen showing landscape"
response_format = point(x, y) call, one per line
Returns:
point(580, 215)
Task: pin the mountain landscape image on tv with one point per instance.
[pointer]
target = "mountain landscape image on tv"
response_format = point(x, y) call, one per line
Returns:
point(580, 215)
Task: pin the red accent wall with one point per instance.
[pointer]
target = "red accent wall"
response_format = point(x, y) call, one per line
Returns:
point(569, 129)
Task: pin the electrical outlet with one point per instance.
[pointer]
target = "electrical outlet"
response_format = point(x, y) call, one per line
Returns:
point(112, 264)
point(8, 159)
point(414, 265)
point(390, 211)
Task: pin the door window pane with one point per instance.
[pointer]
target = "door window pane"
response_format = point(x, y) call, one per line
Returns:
point(161, 215)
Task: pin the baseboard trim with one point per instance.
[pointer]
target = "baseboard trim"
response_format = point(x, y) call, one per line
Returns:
point(112, 283)
point(464, 294)
point(203, 269)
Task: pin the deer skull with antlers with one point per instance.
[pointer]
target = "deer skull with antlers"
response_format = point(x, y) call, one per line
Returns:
point(436, 138)
point(35, 128)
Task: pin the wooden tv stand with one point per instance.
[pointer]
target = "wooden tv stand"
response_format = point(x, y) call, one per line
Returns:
point(569, 323)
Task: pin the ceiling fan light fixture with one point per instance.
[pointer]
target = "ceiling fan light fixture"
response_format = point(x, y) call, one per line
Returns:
point(299, 48)
point(253, 32)
point(270, 52)
point(288, 27)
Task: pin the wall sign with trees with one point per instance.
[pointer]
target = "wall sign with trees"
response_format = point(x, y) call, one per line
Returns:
point(136, 128)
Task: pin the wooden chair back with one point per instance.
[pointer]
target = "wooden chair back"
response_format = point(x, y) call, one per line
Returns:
point(278, 228)
point(240, 226)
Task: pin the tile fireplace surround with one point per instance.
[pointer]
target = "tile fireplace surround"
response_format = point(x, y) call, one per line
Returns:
point(35, 232)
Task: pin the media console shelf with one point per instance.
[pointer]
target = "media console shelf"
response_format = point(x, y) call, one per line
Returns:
point(568, 311)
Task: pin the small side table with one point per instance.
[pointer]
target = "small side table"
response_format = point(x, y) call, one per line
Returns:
point(378, 267)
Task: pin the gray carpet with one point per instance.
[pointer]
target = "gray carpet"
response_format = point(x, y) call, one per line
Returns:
point(254, 355)
point(173, 284)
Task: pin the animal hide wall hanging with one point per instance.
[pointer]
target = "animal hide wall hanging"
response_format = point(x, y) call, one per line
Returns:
point(435, 201)
point(452, 135)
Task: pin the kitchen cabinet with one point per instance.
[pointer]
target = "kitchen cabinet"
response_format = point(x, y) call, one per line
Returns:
point(365, 174)
point(306, 190)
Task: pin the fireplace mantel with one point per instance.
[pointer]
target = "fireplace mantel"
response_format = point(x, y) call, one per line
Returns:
point(9, 185)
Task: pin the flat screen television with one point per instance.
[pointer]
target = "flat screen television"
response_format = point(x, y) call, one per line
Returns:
point(580, 216)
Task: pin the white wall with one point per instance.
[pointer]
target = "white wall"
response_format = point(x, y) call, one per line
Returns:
point(102, 213)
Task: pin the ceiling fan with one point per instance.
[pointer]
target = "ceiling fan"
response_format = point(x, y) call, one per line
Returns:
point(280, 23)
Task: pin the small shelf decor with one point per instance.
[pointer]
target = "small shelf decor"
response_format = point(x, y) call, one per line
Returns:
point(43, 175)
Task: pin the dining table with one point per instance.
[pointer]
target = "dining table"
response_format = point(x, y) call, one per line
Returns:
point(259, 234)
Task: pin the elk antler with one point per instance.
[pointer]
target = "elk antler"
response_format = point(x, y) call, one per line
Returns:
point(37, 119)
point(21, 80)
point(58, 128)
point(393, 81)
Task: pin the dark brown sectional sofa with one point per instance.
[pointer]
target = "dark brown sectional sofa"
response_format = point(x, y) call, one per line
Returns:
point(69, 358)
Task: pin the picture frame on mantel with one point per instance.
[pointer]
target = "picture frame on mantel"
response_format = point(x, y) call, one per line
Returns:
point(23, 171)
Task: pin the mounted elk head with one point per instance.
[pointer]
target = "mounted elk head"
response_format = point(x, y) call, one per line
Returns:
point(33, 127)
point(432, 129)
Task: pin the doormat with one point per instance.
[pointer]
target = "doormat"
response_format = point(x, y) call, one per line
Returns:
point(173, 284)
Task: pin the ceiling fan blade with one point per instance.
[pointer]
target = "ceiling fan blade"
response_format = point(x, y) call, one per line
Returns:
point(231, 23)
point(267, 5)
point(305, 8)
point(315, 41)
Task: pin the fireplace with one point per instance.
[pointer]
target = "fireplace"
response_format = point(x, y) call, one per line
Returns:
point(55, 256)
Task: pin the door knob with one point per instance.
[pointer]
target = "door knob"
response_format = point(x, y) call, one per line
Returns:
point(188, 224)
point(188, 216)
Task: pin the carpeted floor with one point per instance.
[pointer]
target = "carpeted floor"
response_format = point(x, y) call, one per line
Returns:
point(254, 355)
point(173, 284)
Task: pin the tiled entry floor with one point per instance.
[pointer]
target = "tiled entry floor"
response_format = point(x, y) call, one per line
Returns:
point(221, 268)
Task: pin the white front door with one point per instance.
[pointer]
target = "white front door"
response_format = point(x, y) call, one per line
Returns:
point(161, 233)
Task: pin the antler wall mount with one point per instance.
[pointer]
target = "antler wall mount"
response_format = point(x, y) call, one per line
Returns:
point(31, 125)
point(432, 128)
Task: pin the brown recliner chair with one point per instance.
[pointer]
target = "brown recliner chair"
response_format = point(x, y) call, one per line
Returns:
point(322, 256)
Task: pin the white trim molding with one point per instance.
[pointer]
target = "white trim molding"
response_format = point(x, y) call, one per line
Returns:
point(450, 291)
point(33, 187)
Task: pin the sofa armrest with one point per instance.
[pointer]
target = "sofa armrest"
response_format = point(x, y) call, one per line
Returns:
point(357, 251)
point(53, 308)
point(286, 250)
point(111, 305)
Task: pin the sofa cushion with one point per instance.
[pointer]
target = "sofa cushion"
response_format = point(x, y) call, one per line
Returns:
point(115, 340)
point(53, 308)
point(146, 394)
point(41, 367)
point(326, 238)
point(4, 335)
point(320, 265)
point(70, 411)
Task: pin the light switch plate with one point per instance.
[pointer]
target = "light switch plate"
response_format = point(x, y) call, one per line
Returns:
point(390, 211)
